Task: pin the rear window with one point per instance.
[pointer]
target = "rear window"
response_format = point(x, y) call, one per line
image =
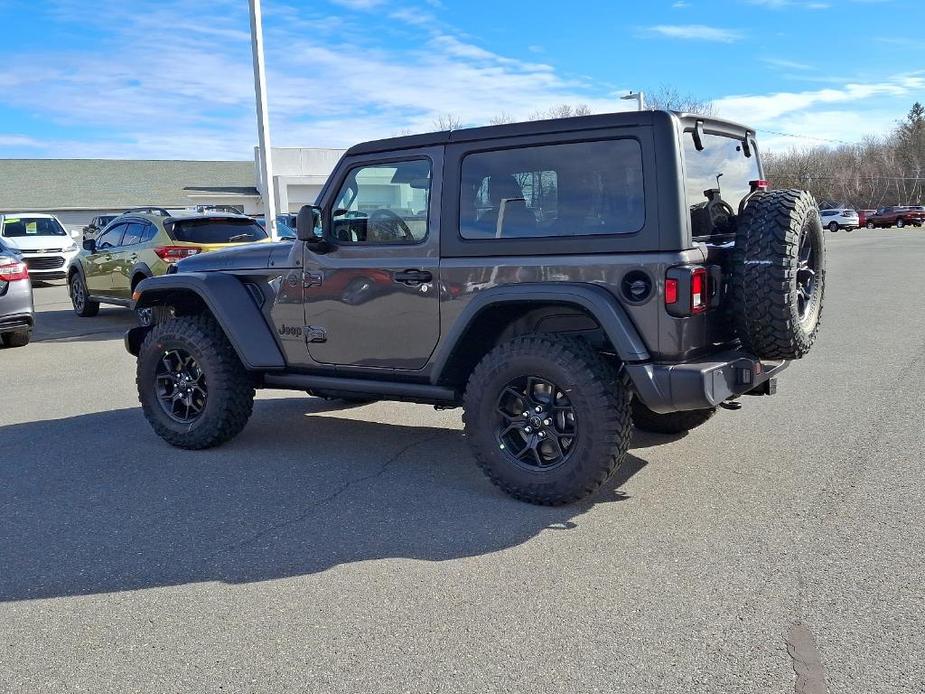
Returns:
point(217, 231)
point(32, 226)
point(723, 165)
point(578, 189)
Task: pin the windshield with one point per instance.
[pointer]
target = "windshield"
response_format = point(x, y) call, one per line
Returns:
point(721, 164)
point(32, 226)
point(218, 231)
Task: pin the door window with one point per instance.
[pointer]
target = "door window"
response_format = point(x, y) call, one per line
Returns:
point(384, 203)
point(133, 233)
point(111, 238)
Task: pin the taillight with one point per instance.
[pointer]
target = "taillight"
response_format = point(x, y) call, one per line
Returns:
point(699, 290)
point(11, 272)
point(692, 289)
point(171, 254)
point(671, 291)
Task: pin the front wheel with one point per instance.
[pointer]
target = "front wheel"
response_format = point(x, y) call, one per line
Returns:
point(833, 227)
point(192, 387)
point(548, 419)
point(870, 225)
point(670, 423)
point(900, 224)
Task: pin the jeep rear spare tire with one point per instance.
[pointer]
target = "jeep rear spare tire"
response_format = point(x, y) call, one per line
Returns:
point(547, 418)
point(778, 274)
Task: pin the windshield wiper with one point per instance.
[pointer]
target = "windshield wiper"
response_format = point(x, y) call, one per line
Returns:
point(239, 237)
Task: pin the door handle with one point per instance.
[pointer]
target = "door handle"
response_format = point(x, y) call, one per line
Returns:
point(413, 276)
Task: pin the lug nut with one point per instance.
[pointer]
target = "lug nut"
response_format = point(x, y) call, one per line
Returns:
point(542, 434)
point(547, 422)
point(526, 414)
point(539, 409)
point(528, 429)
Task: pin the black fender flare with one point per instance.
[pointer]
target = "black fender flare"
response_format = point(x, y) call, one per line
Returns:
point(229, 302)
point(596, 301)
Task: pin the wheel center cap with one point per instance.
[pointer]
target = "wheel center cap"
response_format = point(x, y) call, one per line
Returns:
point(536, 422)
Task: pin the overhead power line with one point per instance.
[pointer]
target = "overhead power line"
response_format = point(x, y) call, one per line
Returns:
point(807, 137)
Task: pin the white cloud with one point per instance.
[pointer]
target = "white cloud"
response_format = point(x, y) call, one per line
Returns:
point(695, 32)
point(358, 4)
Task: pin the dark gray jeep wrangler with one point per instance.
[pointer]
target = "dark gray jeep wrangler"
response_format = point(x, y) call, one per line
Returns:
point(561, 280)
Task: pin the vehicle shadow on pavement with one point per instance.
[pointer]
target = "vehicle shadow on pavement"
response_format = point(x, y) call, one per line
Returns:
point(66, 326)
point(97, 503)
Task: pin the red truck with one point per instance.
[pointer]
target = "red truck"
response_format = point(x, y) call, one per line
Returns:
point(896, 217)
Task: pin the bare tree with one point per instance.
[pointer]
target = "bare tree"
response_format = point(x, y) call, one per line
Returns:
point(876, 172)
point(667, 98)
point(447, 121)
point(502, 119)
point(561, 111)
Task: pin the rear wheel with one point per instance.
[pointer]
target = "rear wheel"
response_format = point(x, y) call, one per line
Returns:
point(192, 387)
point(671, 423)
point(20, 338)
point(84, 306)
point(548, 419)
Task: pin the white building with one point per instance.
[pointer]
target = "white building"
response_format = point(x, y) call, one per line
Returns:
point(76, 190)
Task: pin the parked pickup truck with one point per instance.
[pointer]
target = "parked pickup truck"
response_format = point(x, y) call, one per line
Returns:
point(896, 217)
point(560, 280)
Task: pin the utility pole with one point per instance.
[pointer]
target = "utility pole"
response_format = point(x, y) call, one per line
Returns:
point(639, 97)
point(263, 120)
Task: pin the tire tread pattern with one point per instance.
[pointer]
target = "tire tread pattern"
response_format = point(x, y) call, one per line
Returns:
point(764, 274)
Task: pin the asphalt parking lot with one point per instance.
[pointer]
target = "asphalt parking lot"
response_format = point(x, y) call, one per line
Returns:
point(332, 549)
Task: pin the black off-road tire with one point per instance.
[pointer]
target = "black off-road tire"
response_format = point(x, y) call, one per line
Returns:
point(83, 305)
point(230, 398)
point(645, 419)
point(20, 338)
point(773, 321)
point(597, 393)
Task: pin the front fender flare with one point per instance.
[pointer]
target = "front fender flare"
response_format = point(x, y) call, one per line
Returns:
point(229, 302)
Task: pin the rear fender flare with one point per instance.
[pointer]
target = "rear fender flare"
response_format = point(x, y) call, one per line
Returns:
point(595, 301)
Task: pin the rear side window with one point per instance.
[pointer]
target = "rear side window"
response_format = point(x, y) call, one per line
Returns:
point(217, 231)
point(577, 189)
point(133, 234)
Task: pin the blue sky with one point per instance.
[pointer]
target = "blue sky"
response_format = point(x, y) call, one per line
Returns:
point(173, 78)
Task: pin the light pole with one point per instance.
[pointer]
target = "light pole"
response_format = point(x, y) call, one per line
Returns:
point(639, 98)
point(263, 120)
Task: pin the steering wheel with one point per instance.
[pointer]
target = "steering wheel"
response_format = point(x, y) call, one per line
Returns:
point(395, 226)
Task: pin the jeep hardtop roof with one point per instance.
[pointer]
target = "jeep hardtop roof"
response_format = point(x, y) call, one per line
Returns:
point(556, 125)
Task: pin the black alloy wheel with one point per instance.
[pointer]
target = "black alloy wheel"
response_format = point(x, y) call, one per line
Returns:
point(180, 386)
point(807, 273)
point(536, 426)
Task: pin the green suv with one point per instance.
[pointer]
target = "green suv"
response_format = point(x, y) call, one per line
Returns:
point(135, 246)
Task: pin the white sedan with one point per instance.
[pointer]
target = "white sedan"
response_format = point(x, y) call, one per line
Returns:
point(46, 247)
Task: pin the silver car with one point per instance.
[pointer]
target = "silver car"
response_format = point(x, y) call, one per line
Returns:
point(16, 309)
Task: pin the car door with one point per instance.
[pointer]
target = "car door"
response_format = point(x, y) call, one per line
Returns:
point(124, 258)
point(98, 265)
point(373, 299)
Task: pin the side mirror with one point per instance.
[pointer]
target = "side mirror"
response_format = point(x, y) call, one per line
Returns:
point(90, 245)
point(308, 225)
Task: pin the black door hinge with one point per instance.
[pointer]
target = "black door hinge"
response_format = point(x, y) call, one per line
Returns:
point(315, 334)
point(311, 279)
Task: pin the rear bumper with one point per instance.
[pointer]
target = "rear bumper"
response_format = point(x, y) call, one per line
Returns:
point(16, 323)
point(701, 384)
